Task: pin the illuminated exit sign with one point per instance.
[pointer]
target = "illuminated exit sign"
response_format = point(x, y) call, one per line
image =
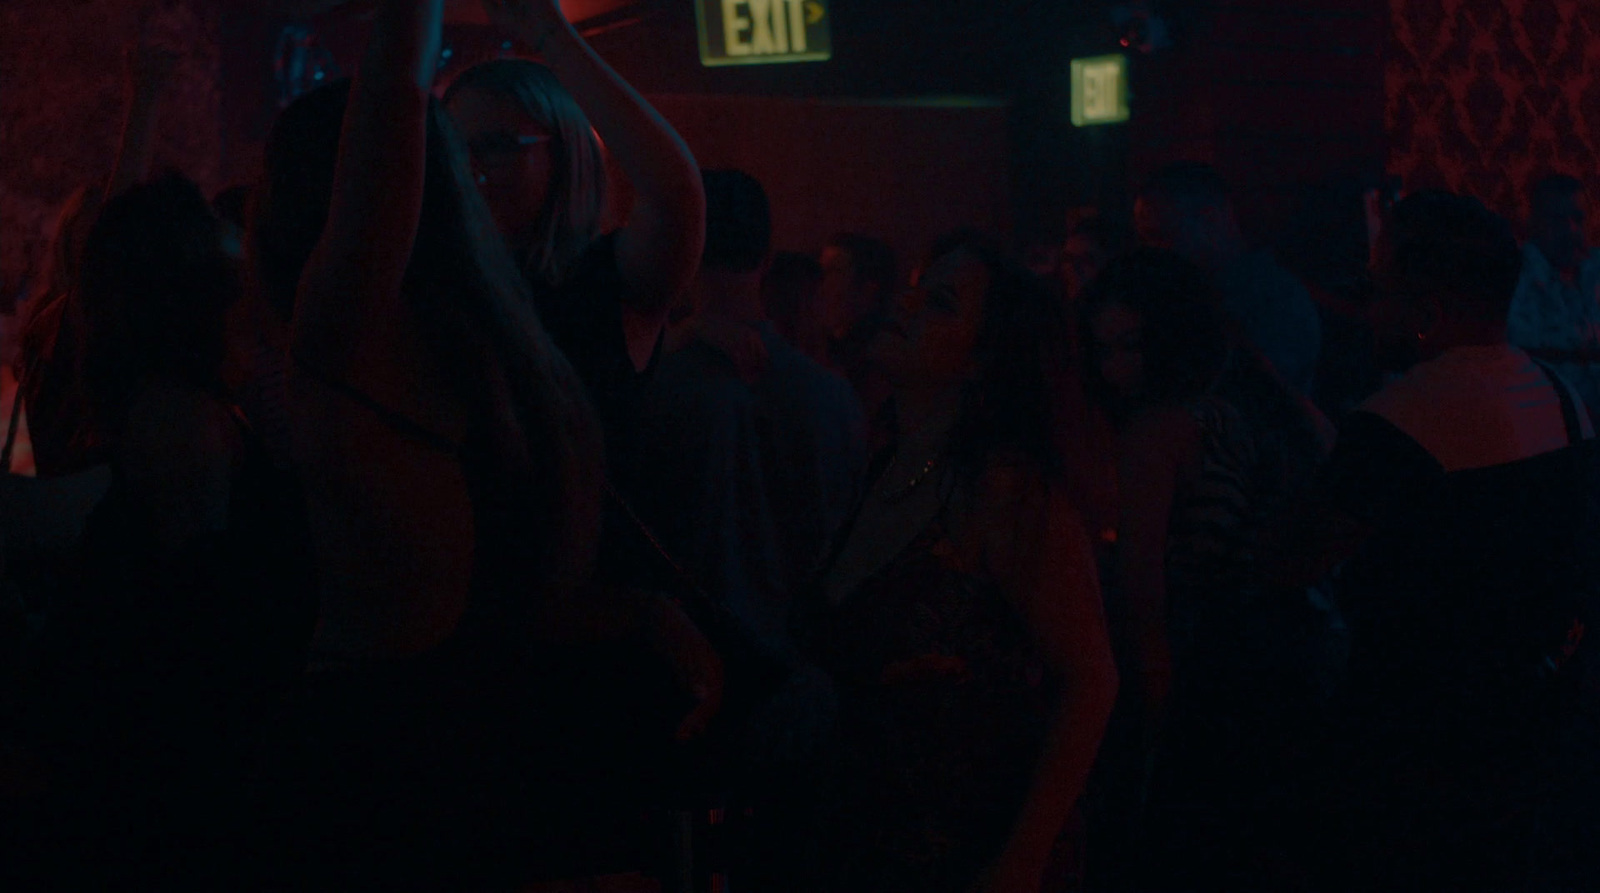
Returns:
point(1099, 90)
point(757, 32)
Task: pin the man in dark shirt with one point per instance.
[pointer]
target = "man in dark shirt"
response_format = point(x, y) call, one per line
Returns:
point(756, 465)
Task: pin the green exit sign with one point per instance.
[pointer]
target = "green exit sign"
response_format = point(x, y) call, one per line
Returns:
point(762, 32)
point(1099, 90)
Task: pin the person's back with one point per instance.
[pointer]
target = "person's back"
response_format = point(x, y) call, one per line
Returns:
point(1461, 503)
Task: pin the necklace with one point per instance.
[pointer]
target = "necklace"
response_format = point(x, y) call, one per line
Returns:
point(901, 492)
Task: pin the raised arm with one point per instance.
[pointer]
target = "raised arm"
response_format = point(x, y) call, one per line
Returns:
point(149, 68)
point(350, 291)
point(391, 520)
point(659, 248)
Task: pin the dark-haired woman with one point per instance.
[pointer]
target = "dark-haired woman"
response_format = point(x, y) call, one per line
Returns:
point(1209, 445)
point(960, 616)
point(191, 603)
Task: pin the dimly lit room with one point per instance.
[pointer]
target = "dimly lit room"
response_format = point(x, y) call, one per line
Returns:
point(800, 446)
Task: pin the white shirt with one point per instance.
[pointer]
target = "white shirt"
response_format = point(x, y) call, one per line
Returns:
point(1551, 313)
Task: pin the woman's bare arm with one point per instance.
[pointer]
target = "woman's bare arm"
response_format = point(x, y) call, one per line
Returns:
point(1041, 553)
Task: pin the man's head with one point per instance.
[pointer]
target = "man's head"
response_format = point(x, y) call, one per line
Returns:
point(858, 279)
point(1446, 267)
point(1185, 208)
point(1555, 224)
point(738, 242)
point(738, 222)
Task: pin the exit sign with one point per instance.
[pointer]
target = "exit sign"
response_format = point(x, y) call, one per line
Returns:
point(1099, 90)
point(759, 32)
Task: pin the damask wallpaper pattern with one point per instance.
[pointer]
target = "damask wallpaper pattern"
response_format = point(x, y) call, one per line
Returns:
point(1484, 95)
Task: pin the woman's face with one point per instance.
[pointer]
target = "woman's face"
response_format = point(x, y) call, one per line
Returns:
point(1119, 349)
point(512, 156)
point(928, 342)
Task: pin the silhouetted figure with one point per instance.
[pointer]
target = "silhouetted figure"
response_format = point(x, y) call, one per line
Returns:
point(171, 649)
point(756, 467)
point(1461, 501)
point(454, 472)
point(1185, 207)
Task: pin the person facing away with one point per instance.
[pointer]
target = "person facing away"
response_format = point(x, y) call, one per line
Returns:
point(1185, 207)
point(1460, 501)
point(1555, 315)
point(47, 368)
point(454, 470)
point(185, 621)
point(756, 468)
point(959, 615)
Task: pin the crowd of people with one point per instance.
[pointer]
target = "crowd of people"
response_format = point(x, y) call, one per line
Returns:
point(395, 526)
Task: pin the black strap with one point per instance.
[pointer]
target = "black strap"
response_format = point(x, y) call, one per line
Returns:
point(1569, 404)
point(406, 427)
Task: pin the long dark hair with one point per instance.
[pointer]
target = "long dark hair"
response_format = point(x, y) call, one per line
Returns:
point(532, 422)
point(1008, 409)
point(574, 206)
point(1183, 330)
point(155, 289)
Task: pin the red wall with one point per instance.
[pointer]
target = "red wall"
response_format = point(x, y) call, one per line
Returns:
point(904, 174)
point(61, 102)
point(1277, 94)
point(1485, 94)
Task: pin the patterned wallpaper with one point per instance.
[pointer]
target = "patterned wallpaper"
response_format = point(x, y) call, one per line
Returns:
point(1485, 94)
point(61, 105)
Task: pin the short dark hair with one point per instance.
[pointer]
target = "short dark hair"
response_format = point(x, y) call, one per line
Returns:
point(738, 221)
point(872, 260)
point(1450, 247)
point(1191, 182)
point(1552, 185)
point(155, 290)
point(1184, 331)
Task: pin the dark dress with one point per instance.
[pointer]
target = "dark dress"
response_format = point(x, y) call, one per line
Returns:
point(1469, 609)
point(929, 770)
point(158, 674)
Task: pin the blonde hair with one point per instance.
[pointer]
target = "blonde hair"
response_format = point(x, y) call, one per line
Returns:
point(574, 205)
